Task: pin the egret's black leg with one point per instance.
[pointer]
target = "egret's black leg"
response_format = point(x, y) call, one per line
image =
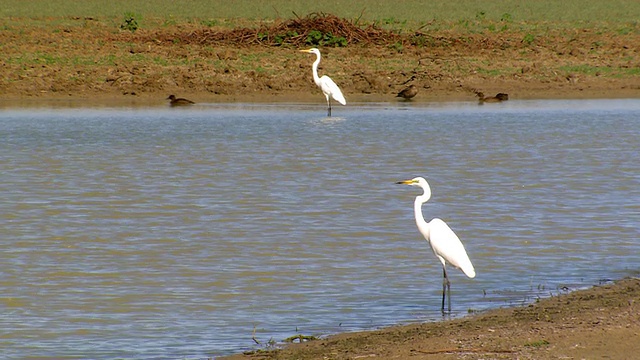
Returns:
point(446, 287)
point(449, 295)
point(329, 103)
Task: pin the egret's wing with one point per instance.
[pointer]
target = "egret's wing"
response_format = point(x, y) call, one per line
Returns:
point(445, 243)
point(330, 88)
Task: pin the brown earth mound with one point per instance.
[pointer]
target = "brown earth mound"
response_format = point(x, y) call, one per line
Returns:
point(314, 29)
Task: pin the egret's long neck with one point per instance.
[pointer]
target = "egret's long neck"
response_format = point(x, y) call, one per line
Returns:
point(316, 78)
point(417, 209)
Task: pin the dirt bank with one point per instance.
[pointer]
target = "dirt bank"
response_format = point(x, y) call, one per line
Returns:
point(601, 322)
point(87, 58)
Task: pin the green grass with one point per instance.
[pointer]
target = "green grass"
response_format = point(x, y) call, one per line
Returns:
point(389, 12)
point(537, 344)
point(465, 16)
point(601, 70)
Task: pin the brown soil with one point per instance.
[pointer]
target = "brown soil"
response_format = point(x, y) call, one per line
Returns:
point(601, 322)
point(91, 59)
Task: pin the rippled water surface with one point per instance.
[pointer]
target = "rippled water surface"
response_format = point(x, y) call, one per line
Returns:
point(174, 233)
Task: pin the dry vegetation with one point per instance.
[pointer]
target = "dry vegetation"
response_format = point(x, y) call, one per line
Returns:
point(313, 29)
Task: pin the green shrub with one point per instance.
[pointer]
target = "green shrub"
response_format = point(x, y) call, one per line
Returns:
point(130, 23)
point(316, 37)
point(528, 39)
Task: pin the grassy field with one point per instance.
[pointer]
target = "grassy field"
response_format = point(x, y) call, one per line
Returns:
point(562, 13)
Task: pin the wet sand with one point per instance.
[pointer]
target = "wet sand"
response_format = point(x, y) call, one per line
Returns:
point(600, 322)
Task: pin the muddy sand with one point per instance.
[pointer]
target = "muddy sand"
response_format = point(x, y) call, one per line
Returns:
point(602, 322)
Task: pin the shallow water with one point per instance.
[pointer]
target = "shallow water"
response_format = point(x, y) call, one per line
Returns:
point(173, 233)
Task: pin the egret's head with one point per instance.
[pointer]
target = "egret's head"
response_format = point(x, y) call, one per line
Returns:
point(311, 51)
point(421, 183)
point(417, 181)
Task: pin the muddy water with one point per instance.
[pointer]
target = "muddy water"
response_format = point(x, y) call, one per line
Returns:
point(173, 233)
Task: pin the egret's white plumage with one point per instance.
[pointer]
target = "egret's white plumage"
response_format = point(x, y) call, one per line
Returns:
point(444, 242)
point(328, 87)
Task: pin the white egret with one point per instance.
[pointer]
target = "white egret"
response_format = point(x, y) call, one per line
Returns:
point(179, 101)
point(444, 242)
point(328, 87)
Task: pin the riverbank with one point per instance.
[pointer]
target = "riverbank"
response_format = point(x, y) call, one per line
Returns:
point(600, 322)
point(91, 59)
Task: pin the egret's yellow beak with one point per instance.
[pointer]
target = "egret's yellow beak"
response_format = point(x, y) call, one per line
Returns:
point(305, 51)
point(406, 182)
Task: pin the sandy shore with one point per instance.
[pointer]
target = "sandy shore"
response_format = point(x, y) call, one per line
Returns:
point(600, 322)
point(594, 89)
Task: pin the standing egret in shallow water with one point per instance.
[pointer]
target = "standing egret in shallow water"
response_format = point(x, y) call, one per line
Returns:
point(444, 242)
point(328, 87)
